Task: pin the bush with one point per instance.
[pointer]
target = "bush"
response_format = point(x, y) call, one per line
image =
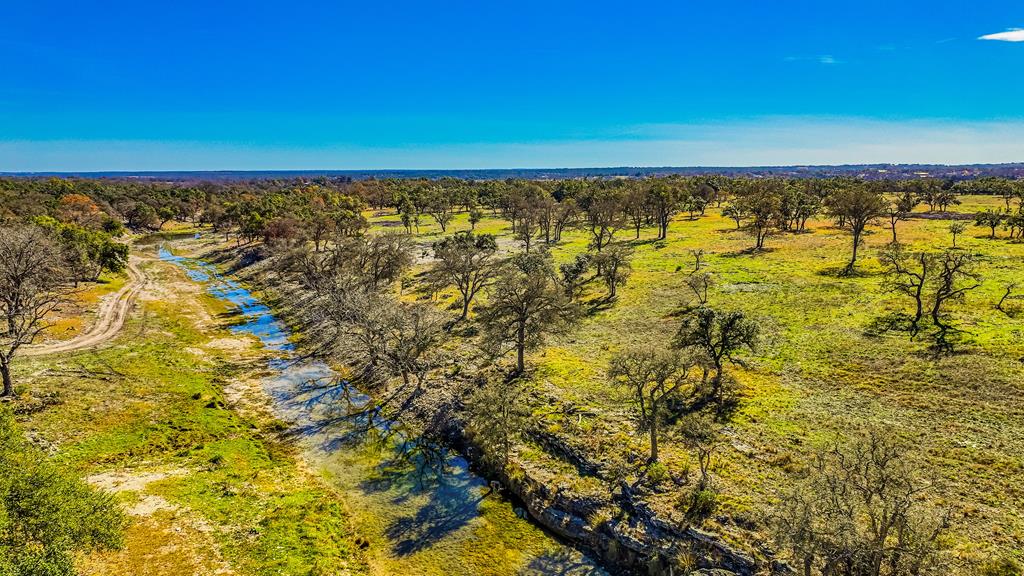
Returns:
point(701, 505)
point(657, 473)
point(46, 516)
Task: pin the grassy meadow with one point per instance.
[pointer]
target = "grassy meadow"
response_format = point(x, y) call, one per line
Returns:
point(821, 370)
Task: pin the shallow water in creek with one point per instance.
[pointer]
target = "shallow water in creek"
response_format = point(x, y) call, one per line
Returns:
point(419, 506)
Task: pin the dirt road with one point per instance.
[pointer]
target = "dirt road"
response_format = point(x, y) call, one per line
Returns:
point(109, 318)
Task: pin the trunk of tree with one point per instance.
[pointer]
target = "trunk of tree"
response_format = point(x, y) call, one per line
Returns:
point(465, 308)
point(654, 435)
point(521, 348)
point(8, 389)
point(853, 259)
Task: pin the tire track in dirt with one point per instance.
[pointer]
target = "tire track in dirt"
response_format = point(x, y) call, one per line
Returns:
point(112, 313)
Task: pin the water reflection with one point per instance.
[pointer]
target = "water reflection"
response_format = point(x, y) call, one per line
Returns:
point(426, 493)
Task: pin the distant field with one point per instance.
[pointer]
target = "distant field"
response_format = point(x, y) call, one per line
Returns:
point(820, 372)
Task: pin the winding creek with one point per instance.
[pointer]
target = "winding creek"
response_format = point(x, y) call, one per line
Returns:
point(419, 507)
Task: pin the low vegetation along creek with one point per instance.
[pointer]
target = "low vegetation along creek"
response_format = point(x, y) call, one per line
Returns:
point(659, 375)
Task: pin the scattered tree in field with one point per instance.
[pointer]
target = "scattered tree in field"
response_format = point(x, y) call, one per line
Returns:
point(528, 226)
point(699, 284)
point(475, 216)
point(409, 214)
point(858, 206)
point(164, 215)
point(439, 205)
point(860, 512)
point(735, 213)
point(799, 201)
point(760, 202)
point(32, 285)
point(908, 274)
point(465, 261)
point(635, 203)
point(565, 213)
point(933, 281)
point(698, 257)
point(574, 275)
point(955, 277)
point(48, 517)
point(603, 212)
point(525, 304)
point(900, 210)
point(989, 218)
point(718, 337)
point(947, 198)
point(614, 266)
point(956, 229)
point(1007, 294)
point(498, 416)
point(652, 377)
point(663, 199)
point(1014, 223)
point(701, 434)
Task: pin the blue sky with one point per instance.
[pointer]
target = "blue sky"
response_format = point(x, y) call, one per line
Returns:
point(305, 85)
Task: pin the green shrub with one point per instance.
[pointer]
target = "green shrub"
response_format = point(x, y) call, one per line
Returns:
point(46, 515)
point(657, 472)
point(701, 505)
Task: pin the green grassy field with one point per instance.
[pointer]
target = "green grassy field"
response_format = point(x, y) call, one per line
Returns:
point(820, 372)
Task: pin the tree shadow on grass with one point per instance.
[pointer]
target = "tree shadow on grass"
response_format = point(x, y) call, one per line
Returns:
point(751, 251)
point(561, 562)
point(843, 272)
point(596, 305)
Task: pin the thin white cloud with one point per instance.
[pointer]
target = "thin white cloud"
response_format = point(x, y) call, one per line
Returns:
point(1011, 35)
point(826, 59)
point(751, 142)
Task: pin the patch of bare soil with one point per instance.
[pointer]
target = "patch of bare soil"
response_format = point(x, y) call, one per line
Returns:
point(163, 538)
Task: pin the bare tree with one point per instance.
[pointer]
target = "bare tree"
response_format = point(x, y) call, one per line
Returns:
point(955, 277)
point(860, 512)
point(32, 285)
point(701, 434)
point(908, 274)
point(932, 280)
point(652, 376)
point(1007, 293)
point(698, 257)
point(700, 284)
